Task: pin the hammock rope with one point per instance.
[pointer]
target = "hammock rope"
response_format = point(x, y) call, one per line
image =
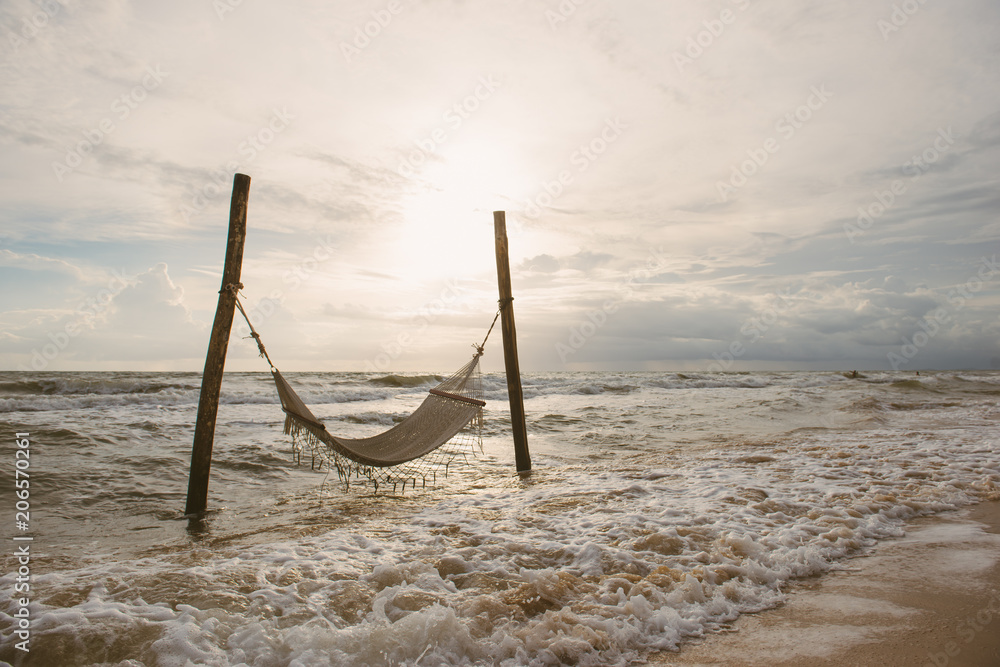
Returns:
point(447, 425)
point(253, 332)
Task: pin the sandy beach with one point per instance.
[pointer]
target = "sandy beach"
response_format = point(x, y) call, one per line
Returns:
point(931, 598)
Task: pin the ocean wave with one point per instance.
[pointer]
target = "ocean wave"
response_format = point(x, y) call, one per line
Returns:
point(709, 381)
point(393, 380)
point(95, 395)
point(867, 404)
point(912, 385)
point(556, 422)
point(45, 403)
point(379, 418)
point(69, 385)
point(95, 391)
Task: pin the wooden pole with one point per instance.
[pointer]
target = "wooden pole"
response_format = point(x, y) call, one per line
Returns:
point(215, 361)
point(521, 456)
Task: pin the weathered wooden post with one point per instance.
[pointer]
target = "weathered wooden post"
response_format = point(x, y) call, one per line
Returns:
point(215, 361)
point(521, 456)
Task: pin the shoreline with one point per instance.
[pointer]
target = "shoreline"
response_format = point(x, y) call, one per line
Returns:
point(931, 598)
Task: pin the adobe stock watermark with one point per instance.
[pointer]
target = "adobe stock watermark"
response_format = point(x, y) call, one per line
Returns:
point(300, 273)
point(899, 17)
point(224, 7)
point(786, 127)
point(453, 119)
point(220, 179)
point(655, 262)
point(370, 30)
point(753, 329)
point(394, 348)
point(930, 324)
point(122, 107)
point(60, 339)
point(562, 13)
point(582, 331)
point(966, 632)
point(585, 155)
point(700, 42)
point(30, 26)
point(915, 168)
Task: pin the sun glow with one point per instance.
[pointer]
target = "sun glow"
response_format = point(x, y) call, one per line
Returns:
point(447, 227)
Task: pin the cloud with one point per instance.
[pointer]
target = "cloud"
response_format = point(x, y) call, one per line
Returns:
point(350, 247)
point(33, 262)
point(815, 321)
point(128, 321)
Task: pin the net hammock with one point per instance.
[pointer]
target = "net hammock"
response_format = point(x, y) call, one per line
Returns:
point(446, 426)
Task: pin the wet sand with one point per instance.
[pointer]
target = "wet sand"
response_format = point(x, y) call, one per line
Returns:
point(929, 599)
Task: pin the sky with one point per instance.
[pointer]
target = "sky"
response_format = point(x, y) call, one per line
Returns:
point(711, 185)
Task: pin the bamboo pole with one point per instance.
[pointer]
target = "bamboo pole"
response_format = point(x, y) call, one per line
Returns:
point(215, 360)
point(522, 458)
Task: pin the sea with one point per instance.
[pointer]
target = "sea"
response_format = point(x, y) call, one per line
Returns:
point(660, 507)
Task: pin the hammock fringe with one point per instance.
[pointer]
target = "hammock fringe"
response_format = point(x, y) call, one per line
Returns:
point(446, 426)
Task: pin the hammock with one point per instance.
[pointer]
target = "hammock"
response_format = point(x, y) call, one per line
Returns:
point(444, 413)
point(401, 454)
